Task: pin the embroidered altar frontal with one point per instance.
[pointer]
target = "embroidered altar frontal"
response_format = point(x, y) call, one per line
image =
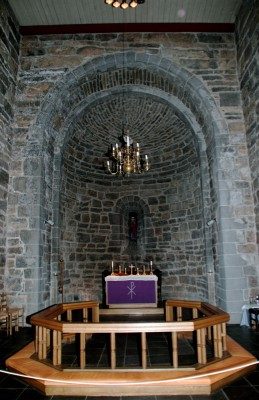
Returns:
point(131, 290)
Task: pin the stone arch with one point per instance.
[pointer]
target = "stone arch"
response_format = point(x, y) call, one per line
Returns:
point(117, 70)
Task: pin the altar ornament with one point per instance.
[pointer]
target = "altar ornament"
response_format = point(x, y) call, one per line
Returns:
point(151, 267)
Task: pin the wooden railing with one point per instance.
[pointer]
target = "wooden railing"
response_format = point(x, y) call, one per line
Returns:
point(204, 323)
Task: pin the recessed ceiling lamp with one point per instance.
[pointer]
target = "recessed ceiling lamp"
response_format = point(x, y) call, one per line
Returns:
point(124, 4)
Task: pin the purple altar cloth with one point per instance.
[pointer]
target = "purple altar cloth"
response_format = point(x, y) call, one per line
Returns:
point(131, 291)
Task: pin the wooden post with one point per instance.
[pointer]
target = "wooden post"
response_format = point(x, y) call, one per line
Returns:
point(199, 355)
point(217, 340)
point(175, 350)
point(179, 314)
point(82, 350)
point(113, 350)
point(144, 350)
point(44, 343)
point(85, 314)
point(169, 313)
point(40, 343)
point(69, 315)
point(224, 336)
point(194, 313)
point(36, 340)
point(203, 346)
point(56, 359)
point(95, 313)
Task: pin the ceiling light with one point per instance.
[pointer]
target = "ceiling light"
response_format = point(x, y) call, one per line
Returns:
point(124, 4)
point(126, 159)
point(116, 4)
point(133, 4)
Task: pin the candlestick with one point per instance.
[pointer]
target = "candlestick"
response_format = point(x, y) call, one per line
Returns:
point(112, 267)
point(151, 264)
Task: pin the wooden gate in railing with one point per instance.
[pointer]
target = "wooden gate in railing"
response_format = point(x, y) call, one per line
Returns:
point(207, 324)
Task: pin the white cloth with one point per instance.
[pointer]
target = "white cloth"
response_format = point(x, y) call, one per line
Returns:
point(245, 313)
point(131, 278)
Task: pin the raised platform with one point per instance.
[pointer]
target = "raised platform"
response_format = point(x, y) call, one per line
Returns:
point(51, 381)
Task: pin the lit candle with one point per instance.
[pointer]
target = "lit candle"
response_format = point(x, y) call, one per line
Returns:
point(128, 141)
point(151, 263)
point(112, 267)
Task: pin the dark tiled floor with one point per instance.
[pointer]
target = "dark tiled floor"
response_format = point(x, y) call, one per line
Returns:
point(246, 388)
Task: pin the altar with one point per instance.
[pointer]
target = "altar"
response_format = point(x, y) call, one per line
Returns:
point(131, 290)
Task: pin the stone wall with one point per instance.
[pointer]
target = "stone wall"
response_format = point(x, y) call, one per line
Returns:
point(9, 52)
point(248, 66)
point(60, 76)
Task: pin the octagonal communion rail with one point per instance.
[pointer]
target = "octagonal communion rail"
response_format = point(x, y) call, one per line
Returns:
point(205, 324)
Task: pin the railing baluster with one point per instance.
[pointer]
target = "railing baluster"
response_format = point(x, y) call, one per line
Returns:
point(95, 313)
point(203, 346)
point(44, 343)
point(85, 314)
point(144, 349)
point(113, 350)
point(82, 350)
point(179, 314)
point(224, 337)
point(40, 343)
point(175, 349)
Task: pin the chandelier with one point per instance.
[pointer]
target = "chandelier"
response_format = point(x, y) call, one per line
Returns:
point(126, 159)
point(124, 4)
